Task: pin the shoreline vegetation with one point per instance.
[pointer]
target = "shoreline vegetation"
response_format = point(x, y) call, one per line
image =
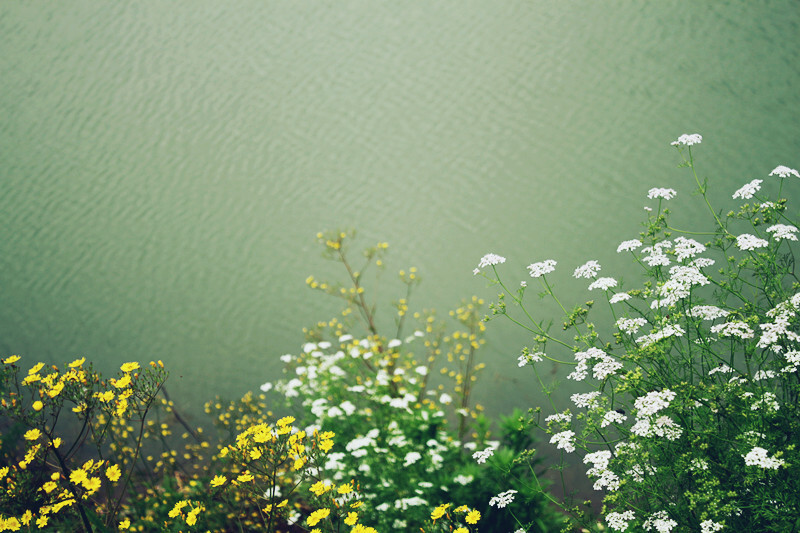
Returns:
point(689, 421)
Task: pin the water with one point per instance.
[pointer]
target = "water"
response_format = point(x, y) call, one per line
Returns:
point(164, 167)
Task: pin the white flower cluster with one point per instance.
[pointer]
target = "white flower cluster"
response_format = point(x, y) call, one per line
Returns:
point(660, 192)
point(619, 297)
point(687, 248)
point(769, 401)
point(656, 255)
point(707, 312)
point(564, 441)
point(606, 365)
point(603, 284)
point(653, 402)
point(629, 246)
point(750, 242)
point(491, 259)
point(783, 232)
point(630, 325)
point(709, 526)
point(481, 456)
point(538, 270)
point(613, 417)
point(759, 457)
point(585, 400)
point(671, 330)
point(528, 357)
point(605, 477)
point(502, 499)
point(563, 418)
point(619, 521)
point(688, 139)
point(735, 328)
point(660, 521)
point(679, 285)
point(784, 172)
point(748, 190)
point(588, 270)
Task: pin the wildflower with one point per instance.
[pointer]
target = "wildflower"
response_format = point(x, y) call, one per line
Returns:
point(603, 284)
point(345, 488)
point(688, 139)
point(191, 517)
point(612, 417)
point(463, 480)
point(564, 441)
point(670, 330)
point(588, 399)
point(709, 526)
point(351, 519)
point(37, 405)
point(245, 477)
point(502, 499)
point(32, 434)
point(750, 242)
point(784, 172)
point(317, 515)
point(439, 511)
point(619, 297)
point(630, 325)
point(11, 359)
point(653, 402)
point(564, 418)
point(619, 521)
point(587, 270)
point(113, 473)
point(218, 481)
point(445, 399)
point(629, 246)
point(42, 521)
point(176, 510)
point(687, 248)
point(748, 190)
point(660, 521)
point(538, 270)
point(77, 476)
point(707, 312)
point(783, 231)
point(481, 456)
point(491, 260)
point(411, 458)
point(733, 329)
point(91, 484)
point(473, 517)
point(528, 357)
point(660, 192)
point(129, 367)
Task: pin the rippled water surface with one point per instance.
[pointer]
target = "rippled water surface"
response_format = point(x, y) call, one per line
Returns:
point(164, 167)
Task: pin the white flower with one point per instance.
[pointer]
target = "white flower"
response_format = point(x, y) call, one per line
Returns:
point(660, 521)
point(687, 248)
point(266, 387)
point(287, 358)
point(421, 370)
point(565, 418)
point(612, 417)
point(445, 399)
point(461, 479)
point(758, 457)
point(709, 526)
point(707, 312)
point(526, 358)
point(523, 284)
point(394, 343)
point(603, 284)
point(702, 262)
point(619, 521)
point(688, 139)
point(587, 270)
point(655, 336)
point(476, 271)
point(588, 399)
point(733, 329)
point(629, 246)
point(782, 231)
point(698, 464)
point(619, 297)
point(491, 259)
point(538, 270)
point(411, 458)
point(630, 325)
point(747, 192)
point(660, 192)
point(653, 402)
point(750, 242)
point(481, 456)
point(564, 441)
point(502, 499)
point(784, 172)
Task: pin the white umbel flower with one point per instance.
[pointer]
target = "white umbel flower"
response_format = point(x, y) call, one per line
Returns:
point(688, 139)
point(750, 242)
point(784, 172)
point(748, 190)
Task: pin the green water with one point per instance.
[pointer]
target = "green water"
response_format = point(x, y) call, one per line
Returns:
point(164, 167)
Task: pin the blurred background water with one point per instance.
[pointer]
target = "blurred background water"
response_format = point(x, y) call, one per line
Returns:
point(164, 167)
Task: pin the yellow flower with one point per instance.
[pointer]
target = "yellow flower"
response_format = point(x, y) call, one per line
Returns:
point(41, 521)
point(81, 407)
point(286, 420)
point(49, 487)
point(37, 405)
point(255, 453)
point(129, 367)
point(92, 484)
point(461, 530)
point(177, 509)
point(243, 478)
point(439, 511)
point(11, 524)
point(355, 505)
point(32, 434)
point(56, 390)
point(351, 519)
point(77, 362)
point(35, 369)
point(191, 518)
point(218, 481)
point(319, 488)
point(326, 445)
point(346, 488)
point(77, 476)
point(12, 359)
point(113, 473)
point(317, 515)
point(125, 524)
point(473, 517)
point(26, 517)
point(106, 396)
point(284, 503)
point(122, 382)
